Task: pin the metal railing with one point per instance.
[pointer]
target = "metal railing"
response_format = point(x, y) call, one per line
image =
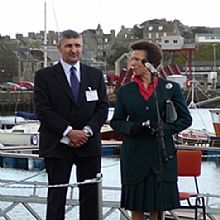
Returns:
point(34, 198)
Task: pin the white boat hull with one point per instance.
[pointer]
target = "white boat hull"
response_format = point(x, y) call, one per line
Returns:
point(19, 139)
point(23, 134)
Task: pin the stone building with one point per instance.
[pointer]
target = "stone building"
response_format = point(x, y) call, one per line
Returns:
point(97, 46)
point(125, 35)
point(25, 55)
point(8, 58)
point(153, 30)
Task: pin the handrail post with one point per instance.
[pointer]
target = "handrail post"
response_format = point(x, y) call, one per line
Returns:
point(99, 191)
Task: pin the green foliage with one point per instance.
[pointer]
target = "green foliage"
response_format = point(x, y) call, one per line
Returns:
point(204, 52)
point(117, 52)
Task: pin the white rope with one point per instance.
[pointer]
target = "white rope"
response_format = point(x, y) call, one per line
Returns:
point(88, 181)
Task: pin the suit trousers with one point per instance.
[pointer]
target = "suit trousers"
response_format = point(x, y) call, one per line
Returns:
point(59, 172)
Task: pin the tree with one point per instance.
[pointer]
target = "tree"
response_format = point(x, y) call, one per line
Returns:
point(117, 52)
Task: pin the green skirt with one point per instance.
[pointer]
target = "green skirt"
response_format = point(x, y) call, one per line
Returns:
point(150, 195)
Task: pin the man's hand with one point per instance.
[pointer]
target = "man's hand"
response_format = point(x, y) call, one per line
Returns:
point(77, 138)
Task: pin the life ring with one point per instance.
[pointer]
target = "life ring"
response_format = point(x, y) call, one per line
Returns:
point(34, 139)
point(189, 83)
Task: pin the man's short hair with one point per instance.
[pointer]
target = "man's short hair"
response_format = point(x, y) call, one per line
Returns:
point(153, 51)
point(68, 34)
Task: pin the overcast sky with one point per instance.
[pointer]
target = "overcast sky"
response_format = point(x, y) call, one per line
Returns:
point(23, 16)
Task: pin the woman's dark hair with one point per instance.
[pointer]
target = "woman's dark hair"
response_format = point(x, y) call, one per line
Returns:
point(153, 51)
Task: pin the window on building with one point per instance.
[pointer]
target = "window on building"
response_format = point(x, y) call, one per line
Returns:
point(149, 35)
point(166, 41)
point(175, 41)
point(160, 28)
point(157, 35)
point(150, 28)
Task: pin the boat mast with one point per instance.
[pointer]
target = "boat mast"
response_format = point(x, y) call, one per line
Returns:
point(45, 34)
point(192, 103)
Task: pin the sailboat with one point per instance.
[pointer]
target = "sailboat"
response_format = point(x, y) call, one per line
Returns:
point(201, 131)
point(205, 128)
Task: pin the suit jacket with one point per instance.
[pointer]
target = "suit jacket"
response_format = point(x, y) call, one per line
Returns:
point(56, 109)
point(139, 154)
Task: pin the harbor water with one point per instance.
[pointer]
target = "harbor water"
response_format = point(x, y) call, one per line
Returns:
point(208, 183)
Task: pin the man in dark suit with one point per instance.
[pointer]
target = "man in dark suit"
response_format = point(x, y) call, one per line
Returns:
point(70, 125)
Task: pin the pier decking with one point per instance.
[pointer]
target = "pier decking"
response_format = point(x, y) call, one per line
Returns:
point(36, 194)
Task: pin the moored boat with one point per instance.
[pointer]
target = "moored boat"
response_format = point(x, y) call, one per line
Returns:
point(21, 134)
point(19, 146)
point(27, 157)
point(10, 121)
point(202, 130)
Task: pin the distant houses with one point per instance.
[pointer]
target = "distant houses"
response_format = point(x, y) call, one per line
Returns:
point(21, 57)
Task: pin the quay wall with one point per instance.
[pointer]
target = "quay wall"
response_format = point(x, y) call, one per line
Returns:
point(10, 102)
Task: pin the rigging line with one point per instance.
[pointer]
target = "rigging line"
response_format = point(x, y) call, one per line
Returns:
point(202, 92)
point(192, 105)
point(189, 93)
point(196, 93)
point(56, 22)
point(201, 118)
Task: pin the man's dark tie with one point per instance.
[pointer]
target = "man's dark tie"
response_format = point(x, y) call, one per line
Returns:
point(74, 83)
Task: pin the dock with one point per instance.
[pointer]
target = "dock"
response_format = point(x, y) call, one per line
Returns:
point(16, 100)
point(107, 207)
point(32, 194)
point(35, 197)
point(26, 157)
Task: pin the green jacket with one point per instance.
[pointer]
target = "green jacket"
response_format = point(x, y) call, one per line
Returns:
point(139, 154)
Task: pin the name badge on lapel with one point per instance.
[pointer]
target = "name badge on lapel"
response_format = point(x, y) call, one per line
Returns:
point(91, 95)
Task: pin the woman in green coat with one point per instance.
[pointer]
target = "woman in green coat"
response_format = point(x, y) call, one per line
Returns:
point(148, 170)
